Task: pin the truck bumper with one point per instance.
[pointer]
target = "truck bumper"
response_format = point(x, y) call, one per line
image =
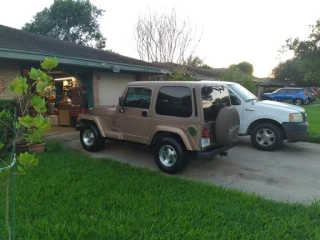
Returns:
point(209, 153)
point(296, 131)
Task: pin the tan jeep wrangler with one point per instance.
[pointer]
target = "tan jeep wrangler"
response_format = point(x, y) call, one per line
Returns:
point(175, 118)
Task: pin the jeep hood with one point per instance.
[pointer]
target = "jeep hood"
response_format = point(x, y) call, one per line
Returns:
point(278, 105)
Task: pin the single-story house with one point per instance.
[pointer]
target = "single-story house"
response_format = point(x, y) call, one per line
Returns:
point(100, 75)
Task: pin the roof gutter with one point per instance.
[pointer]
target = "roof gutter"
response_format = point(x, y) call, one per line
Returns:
point(114, 66)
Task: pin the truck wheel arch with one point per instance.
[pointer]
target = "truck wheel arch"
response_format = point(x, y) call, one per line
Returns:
point(266, 120)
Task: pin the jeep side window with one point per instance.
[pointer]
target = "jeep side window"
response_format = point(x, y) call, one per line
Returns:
point(213, 99)
point(174, 101)
point(138, 97)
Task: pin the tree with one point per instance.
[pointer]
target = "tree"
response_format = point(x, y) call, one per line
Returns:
point(181, 74)
point(70, 20)
point(235, 74)
point(289, 71)
point(196, 62)
point(162, 37)
point(304, 67)
point(246, 67)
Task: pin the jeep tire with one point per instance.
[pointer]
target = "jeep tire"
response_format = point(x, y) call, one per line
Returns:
point(90, 138)
point(170, 155)
point(227, 126)
point(266, 137)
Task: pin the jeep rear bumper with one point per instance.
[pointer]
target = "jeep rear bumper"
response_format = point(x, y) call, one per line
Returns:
point(296, 131)
point(209, 153)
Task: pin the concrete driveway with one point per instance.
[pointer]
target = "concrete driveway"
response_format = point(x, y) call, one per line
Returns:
point(291, 173)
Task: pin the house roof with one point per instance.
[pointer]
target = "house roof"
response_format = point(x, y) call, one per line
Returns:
point(19, 44)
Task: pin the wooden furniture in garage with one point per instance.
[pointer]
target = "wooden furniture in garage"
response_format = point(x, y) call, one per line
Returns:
point(64, 118)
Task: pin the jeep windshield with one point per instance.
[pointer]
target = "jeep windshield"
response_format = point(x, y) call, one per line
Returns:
point(213, 99)
point(244, 93)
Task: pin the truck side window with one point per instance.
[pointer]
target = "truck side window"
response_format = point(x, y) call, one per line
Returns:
point(234, 99)
point(138, 97)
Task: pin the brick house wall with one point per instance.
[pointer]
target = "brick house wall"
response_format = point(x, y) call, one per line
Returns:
point(8, 71)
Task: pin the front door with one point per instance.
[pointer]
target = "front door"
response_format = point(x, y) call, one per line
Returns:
point(135, 120)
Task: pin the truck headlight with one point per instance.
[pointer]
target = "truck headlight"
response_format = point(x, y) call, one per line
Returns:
point(295, 117)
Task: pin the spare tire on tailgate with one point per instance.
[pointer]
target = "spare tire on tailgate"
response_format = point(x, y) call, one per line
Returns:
point(227, 126)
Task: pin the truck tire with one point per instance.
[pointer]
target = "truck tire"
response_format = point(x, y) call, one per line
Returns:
point(227, 126)
point(90, 138)
point(170, 155)
point(266, 137)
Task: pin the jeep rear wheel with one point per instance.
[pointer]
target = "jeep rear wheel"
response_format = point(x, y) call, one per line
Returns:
point(170, 155)
point(90, 138)
point(266, 137)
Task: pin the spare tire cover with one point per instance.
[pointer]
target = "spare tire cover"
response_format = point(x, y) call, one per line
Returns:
point(227, 126)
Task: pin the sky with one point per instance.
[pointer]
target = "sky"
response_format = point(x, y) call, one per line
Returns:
point(233, 31)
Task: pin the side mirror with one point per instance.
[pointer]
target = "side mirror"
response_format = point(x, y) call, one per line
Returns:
point(121, 104)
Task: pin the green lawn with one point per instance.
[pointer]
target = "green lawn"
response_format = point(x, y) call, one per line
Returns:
point(313, 112)
point(71, 196)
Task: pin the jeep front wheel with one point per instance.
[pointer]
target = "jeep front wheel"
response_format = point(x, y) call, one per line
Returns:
point(266, 137)
point(170, 155)
point(90, 138)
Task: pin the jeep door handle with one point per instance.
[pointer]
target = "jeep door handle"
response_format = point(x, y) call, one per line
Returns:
point(144, 113)
point(249, 109)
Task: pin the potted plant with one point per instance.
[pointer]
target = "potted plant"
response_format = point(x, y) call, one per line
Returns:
point(32, 105)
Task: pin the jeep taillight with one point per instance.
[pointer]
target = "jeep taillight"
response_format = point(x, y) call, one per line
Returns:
point(206, 133)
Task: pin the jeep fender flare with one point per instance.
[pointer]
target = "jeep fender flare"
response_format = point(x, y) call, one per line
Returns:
point(173, 130)
point(100, 124)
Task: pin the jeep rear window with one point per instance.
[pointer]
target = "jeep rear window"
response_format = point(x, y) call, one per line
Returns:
point(213, 99)
point(174, 101)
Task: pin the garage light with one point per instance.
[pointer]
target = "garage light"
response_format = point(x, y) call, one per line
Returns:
point(115, 69)
point(66, 78)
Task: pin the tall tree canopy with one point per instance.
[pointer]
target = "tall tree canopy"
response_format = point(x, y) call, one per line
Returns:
point(304, 67)
point(162, 37)
point(69, 20)
point(246, 67)
point(235, 74)
point(196, 62)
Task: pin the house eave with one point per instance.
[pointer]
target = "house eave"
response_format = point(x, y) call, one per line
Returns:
point(97, 64)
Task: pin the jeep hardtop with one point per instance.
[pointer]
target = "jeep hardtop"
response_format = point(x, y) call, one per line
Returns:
point(176, 118)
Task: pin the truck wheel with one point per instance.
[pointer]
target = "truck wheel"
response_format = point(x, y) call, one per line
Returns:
point(90, 138)
point(266, 137)
point(170, 155)
point(298, 102)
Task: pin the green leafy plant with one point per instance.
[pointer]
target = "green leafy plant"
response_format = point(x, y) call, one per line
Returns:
point(31, 123)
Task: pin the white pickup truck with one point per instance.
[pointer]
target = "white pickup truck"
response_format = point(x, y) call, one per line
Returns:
point(267, 122)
